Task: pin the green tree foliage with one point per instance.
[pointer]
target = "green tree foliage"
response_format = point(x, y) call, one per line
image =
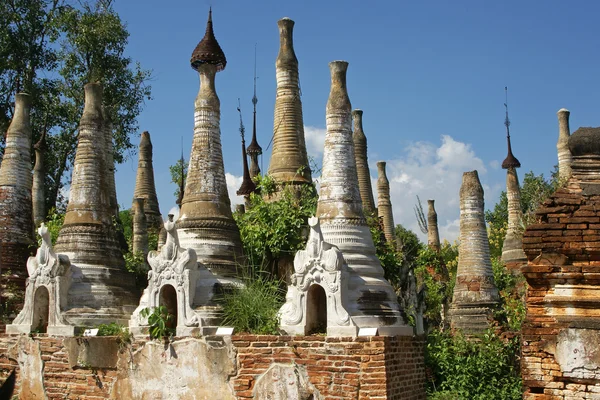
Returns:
point(274, 229)
point(50, 49)
point(159, 321)
point(179, 174)
point(437, 272)
point(534, 190)
point(473, 369)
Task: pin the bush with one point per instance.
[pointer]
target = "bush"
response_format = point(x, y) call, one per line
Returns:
point(253, 308)
point(159, 321)
point(512, 288)
point(482, 369)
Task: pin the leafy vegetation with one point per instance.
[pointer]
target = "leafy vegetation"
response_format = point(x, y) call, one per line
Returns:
point(159, 321)
point(473, 369)
point(271, 230)
point(51, 49)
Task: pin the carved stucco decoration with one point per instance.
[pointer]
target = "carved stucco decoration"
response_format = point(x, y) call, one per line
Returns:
point(322, 264)
point(174, 266)
point(51, 272)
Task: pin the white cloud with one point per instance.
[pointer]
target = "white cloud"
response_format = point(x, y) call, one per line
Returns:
point(494, 164)
point(315, 141)
point(233, 184)
point(432, 172)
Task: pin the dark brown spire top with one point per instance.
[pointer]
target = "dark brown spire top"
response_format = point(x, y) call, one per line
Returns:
point(248, 185)
point(510, 161)
point(208, 50)
point(254, 148)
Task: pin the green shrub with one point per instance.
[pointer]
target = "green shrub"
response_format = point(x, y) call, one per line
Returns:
point(512, 288)
point(114, 329)
point(253, 308)
point(159, 321)
point(478, 369)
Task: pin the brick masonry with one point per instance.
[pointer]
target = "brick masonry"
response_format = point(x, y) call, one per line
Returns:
point(561, 334)
point(337, 368)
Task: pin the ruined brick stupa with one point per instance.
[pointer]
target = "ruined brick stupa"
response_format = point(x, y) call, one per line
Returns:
point(289, 160)
point(366, 296)
point(362, 163)
point(562, 145)
point(475, 292)
point(512, 249)
point(16, 220)
point(102, 290)
point(206, 223)
point(561, 332)
point(144, 183)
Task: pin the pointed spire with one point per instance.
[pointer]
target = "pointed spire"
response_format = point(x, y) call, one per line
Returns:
point(145, 187)
point(208, 50)
point(289, 159)
point(510, 161)
point(371, 300)
point(362, 164)
point(254, 150)
point(248, 185)
point(16, 221)
point(565, 159)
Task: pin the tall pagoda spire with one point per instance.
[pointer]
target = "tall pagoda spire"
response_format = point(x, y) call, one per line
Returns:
point(289, 159)
point(254, 150)
point(512, 249)
point(206, 222)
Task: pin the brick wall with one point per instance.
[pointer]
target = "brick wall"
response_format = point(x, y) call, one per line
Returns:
point(360, 368)
point(561, 334)
point(340, 368)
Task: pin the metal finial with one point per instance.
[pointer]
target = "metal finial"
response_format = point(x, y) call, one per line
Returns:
point(254, 98)
point(510, 161)
point(506, 120)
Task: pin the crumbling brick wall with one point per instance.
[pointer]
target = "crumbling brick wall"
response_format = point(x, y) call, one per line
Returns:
point(98, 368)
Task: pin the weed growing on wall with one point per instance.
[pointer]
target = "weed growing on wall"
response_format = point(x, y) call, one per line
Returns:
point(159, 321)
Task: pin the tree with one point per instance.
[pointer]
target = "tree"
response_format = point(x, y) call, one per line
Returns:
point(92, 41)
point(179, 175)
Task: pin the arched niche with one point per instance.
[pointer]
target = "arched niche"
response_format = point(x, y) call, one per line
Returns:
point(41, 310)
point(316, 310)
point(168, 298)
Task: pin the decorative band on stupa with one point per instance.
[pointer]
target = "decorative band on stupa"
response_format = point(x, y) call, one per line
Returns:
point(206, 223)
point(289, 159)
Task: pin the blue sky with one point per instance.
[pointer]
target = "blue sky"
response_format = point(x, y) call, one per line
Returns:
point(429, 75)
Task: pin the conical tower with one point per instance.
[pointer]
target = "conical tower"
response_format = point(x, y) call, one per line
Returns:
point(140, 228)
point(254, 150)
point(248, 185)
point(433, 234)
point(102, 290)
point(475, 293)
point(289, 160)
point(512, 249)
point(565, 159)
point(362, 163)
point(371, 301)
point(384, 203)
point(16, 220)
point(37, 191)
point(144, 183)
point(206, 223)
